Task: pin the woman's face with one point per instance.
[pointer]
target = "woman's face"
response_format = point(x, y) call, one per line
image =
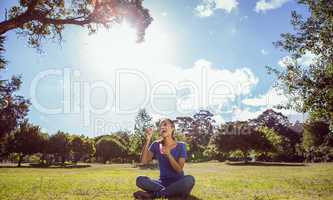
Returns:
point(166, 129)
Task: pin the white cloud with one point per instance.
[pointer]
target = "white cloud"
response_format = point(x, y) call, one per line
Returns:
point(283, 62)
point(244, 114)
point(207, 81)
point(144, 65)
point(218, 119)
point(266, 101)
point(227, 5)
point(189, 88)
point(307, 59)
point(206, 8)
point(263, 5)
point(272, 98)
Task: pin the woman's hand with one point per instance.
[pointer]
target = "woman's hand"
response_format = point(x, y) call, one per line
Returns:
point(166, 150)
point(176, 165)
point(149, 133)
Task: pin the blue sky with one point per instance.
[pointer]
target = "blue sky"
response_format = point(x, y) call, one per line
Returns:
point(198, 54)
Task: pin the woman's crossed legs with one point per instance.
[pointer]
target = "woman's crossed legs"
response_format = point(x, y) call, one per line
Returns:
point(181, 187)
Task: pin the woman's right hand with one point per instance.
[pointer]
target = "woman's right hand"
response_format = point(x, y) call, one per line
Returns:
point(149, 133)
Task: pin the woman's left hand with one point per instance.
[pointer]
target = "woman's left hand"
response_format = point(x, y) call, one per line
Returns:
point(166, 150)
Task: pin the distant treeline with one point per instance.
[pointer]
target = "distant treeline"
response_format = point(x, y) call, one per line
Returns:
point(269, 137)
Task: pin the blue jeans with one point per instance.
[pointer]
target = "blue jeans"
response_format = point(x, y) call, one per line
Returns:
point(181, 187)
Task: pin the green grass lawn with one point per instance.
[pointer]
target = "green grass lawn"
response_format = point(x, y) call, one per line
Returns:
point(213, 181)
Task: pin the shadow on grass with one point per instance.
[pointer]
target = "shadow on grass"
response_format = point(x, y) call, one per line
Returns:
point(66, 166)
point(265, 164)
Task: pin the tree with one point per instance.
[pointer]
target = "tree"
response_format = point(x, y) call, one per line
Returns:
point(275, 139)
point(280, 123)
point(184, 125)
point(59, 146)
point(241, 136)
point(142, 121)
point(317, 141)
point(13, 107)
point(122, 136)
point(26, 140)
point(309, 88)
point(88, 149)
point(76, 145)
point(127, 141)
point(38, 20)
point(315, 134)
point(108, 148)
point(198, 130)
point(203, 126)
point(81, 148)
point(44, 150)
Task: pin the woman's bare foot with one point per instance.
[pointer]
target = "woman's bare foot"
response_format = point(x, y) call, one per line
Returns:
point(142, 195)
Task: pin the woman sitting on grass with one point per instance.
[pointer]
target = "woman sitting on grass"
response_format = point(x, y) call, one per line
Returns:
point(171, 156)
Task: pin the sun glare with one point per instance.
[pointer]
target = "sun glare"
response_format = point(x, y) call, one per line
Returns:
point(117, 47)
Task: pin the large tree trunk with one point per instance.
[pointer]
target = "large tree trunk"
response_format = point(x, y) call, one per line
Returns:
point(245, 154)
point(20, 160)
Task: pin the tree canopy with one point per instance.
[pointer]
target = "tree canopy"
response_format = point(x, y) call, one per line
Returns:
point(309, 88)
point(13, 107)
point(240, 135)
point(108, 148)
point(40, 19)
point(26, 140)
point(59, 145)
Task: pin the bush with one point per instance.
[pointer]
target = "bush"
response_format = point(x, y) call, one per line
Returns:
point(34, 158)
point(108, 148)
point(319, 154)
